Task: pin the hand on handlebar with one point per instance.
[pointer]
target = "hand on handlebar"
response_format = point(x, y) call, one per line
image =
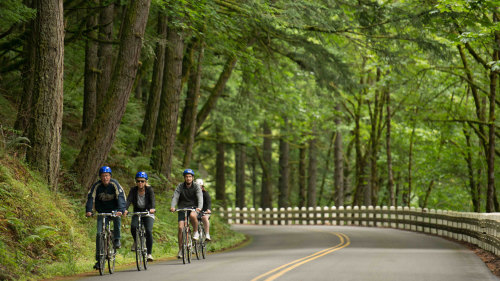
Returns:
point(198, 210)
point(88, 214)
point(152, 211)
point(172, 209)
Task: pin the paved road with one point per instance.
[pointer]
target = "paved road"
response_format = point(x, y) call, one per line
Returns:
point(325, 253)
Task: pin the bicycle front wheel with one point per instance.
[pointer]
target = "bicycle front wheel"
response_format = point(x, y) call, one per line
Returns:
point(184, 245)
point(189, 245)
point(102, 253)
point(138, 250)
point(111, 254)
point(144, 248)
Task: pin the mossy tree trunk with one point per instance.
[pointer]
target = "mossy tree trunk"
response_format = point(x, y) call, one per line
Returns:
point(166, 127)
point(105, 51)
point(103, 131)
point(47, 103)
point(151, 116)
point(266, 196)
point(240, 156)
point(91, 66)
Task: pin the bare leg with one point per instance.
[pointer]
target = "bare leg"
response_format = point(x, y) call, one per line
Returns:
point(206, 223)
point(179, 234)
point(194, 221)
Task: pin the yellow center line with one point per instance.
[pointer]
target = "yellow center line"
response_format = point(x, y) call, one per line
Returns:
point(344, 242)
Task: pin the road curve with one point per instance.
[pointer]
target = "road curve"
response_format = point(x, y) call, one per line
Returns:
point(324, 253)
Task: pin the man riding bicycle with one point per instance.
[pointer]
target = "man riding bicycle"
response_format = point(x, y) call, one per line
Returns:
point(187, 195)
point(106, 195)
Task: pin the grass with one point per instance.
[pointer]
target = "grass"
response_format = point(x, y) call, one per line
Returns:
point(45, 234)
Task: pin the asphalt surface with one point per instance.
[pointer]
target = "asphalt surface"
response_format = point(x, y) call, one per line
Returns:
point(324, 253)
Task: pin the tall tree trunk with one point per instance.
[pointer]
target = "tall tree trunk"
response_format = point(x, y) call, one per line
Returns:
point(220, 167)
point(240, 161)
point(302, 176)
point(284, 172)
point(312, 173)
point(145, 144)
point(166, 128)
point(253, 164)
point(102, 133)
point(91, 66)
point(25, 102)
point(105, 52)
point(326, 171)
point(490, 194)
point(191, 108)
point(216, 92)
point(407, 197)
point(47, 104)
point(390, 174)
point(361, 194)
point(266, 199)
point(376, 131)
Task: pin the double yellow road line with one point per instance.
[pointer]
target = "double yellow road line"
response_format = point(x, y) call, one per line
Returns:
point(279, 271)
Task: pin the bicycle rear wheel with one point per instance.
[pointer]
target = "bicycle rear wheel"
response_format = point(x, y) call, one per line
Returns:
point(111, 254)
point(138, 249)
point(102, 253)
point(184, 245)
point(203, 241)
point(144, 248)
point(197, 246)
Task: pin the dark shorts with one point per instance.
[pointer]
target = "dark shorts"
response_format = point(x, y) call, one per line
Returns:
point(180, 215)
point(207, 215)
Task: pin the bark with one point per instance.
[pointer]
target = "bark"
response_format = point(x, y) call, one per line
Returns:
point(312, 174)
point(472, 181)
point(490, 158)
point(47, 103)
point(326, 170)
point(24, 109)
point(188, 67)
point(302, 176)
point(376, 132)
point(216, 92)
point(166, 128)
point(91, 66)
point(427, 194)
point(220, 178)
point(145, 144)
point(390, 174)
point(266, 199)
point(240, 161)
point(407, 199)
point(105, 52)
point(103, 131)
point(284, 171)
point(361, 194)
point(253, 165)
point(191, 108)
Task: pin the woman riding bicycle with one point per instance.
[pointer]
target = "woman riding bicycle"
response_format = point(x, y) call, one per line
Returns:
point(142, 196)
point(206, 210)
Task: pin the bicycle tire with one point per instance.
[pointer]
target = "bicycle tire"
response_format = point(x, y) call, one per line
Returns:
point(144, 248)
point(184, 245)
point(189, 245)
point(138, 249)
point(203, 241)
point(111, 254)
point(197, 248)
point(102, 253)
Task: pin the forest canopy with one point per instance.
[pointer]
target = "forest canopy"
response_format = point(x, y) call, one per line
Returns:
point(274, 103)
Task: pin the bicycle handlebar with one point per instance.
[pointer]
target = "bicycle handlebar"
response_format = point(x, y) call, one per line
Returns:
point(139, 213)
point(185, 209)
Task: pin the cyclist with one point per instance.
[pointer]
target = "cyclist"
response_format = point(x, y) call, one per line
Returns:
point(142, 196)
point(187, 195)
point(106, 195)
point(207, 208)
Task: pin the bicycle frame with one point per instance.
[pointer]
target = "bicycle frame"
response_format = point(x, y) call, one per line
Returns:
point(107, 250)
point(186, 236)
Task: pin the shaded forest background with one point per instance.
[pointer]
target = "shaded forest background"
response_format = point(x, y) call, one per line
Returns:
point(272, 103)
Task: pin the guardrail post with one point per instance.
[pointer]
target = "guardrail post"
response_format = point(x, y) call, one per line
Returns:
point(333, 216)
point(340, 215)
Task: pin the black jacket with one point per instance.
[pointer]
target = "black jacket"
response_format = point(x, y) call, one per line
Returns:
point(150, 199)
point(106, 198)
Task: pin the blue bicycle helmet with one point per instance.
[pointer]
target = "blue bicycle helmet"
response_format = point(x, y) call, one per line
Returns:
point(104, 169)
point(141, 175)
point(188, 171)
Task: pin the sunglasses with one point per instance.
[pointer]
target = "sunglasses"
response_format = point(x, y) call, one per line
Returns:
point(138, 181)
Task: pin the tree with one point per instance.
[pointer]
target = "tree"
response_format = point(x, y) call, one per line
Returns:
point(47, 100)
point(102, 133)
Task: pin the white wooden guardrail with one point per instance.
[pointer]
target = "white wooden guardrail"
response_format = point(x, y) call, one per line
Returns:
point(481, 229)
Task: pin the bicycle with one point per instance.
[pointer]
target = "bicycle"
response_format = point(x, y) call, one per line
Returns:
point(141, 250)
point(107, 250)
point(200, 245)
point(187, 240)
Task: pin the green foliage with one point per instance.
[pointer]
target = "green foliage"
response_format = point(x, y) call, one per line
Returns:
point(14, 12)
